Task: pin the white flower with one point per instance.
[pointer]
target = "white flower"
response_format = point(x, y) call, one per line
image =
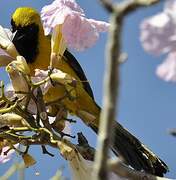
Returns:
point(8, 51)
point(4, 158)
point(167, 70)
point(158, 36)
point(83, 169)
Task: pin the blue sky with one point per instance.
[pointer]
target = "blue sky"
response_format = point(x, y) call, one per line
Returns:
point(147, 104)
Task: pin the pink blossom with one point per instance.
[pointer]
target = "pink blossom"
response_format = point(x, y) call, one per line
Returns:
point(158, 36)
point(78, 31)
point(5, 42)
point(167, 70)
point(4, 158)
point(3, 53)
point(39, 76)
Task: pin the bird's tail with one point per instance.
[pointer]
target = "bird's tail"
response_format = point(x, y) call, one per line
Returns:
point(134, 153)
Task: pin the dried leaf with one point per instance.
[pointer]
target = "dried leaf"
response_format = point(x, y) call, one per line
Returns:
point(28, 160)
point(67, 149)
point(10, 119)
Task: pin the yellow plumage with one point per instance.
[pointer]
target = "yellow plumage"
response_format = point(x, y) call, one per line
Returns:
point(82, 103)
point(25, 16)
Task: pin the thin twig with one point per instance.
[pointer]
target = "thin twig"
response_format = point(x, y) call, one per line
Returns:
point(172, 132)
point(12, 170)
point(111, 80)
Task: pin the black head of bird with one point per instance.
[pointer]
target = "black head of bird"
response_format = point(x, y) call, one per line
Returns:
point(25, 24)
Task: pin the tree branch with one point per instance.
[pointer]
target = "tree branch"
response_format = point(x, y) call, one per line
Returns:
point(124, 171)
point(111, 80)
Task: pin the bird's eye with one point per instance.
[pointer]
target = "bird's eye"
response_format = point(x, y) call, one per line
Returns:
point(12, 30)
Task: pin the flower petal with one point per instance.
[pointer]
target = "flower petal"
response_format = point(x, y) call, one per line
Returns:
point(3, 53)
point(156, 34)
point(5, 37)
point(79, 33)
point(5, 158)
point(100, 26)
point(55, 13)
point(39, 76)
point(167, 70)
point(170, 8)
point(83, 169)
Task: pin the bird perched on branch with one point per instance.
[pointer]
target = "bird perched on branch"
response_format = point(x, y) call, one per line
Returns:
point(30, 42)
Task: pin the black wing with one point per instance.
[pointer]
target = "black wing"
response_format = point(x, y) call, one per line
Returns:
point(71, 60)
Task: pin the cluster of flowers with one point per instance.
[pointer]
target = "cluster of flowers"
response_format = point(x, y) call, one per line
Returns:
point(158, 36)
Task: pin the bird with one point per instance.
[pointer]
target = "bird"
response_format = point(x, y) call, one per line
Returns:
point(31, 43)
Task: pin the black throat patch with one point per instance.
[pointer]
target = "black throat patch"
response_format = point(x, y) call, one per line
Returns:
point(26, 40)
